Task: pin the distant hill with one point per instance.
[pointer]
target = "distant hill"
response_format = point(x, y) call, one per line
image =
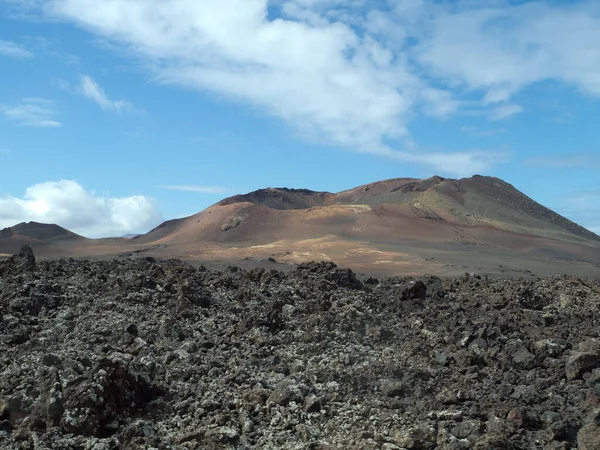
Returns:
point(35, 233)
point(470, 202)
point(403, 225)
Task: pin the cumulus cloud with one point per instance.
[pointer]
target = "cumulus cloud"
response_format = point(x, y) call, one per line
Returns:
point(354, 73)
point(201, 189)
point(313, 70)
point(69, 205)
point(501, 49)
point(32, 112)
point(13, 50)
point(92, 90)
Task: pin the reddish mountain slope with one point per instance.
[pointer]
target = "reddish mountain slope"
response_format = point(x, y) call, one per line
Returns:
point(430, 209)
point(402, 225)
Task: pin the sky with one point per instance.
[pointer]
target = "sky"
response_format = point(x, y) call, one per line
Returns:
point(117, 115)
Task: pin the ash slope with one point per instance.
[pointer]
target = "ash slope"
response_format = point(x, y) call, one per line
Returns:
point(402, 208)
point(38, 235)
point(393, 226)
point(479, 200)
point(399, 226)
point(145, 353)
point(470, 202)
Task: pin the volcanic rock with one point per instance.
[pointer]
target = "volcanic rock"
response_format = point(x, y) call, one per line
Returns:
point(122, 354)
point(580, 363)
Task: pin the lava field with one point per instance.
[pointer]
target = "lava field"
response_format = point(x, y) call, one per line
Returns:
point(146, 353)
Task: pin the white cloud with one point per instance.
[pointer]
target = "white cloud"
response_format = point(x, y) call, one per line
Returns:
point(202, 189)
point(69, 205)
point(502, 49)
point(8, 48)
point(92, 90)
point(505, 111)
point(460, 164)
point(348, 74)
point(318, 74)
point(33, 112)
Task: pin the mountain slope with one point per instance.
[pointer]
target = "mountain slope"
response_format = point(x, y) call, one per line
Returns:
point(36, 234)
point(397, 203)
point(397, 226)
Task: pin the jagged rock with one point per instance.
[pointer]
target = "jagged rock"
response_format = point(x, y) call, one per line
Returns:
point(419, 437)
point(312, 404)
point(467, 429)
point(25, 260)
point(491, 442)
point(588, 437)
point(523, 359)
point(223, 435)
point(284, 393)
point(581, 363)
point(550, 417)
point(447, 396)
point(393, 388)
point(145, 353)
point(3, 409)
point(94, 406)
point(417, 290)
point(446, 441)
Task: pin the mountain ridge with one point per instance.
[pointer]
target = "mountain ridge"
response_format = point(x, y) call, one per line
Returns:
point(38, 231)
point(406, 190)
point(400, 225)
point(36, 234)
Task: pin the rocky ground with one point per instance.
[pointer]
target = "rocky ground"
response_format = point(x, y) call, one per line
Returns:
point(143, 353)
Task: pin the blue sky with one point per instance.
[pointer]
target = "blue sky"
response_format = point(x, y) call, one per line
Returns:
point(119, 114)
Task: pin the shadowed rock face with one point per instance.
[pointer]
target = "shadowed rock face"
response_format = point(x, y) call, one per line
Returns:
point(145, 352)
point(282, 198)
point(24, 261)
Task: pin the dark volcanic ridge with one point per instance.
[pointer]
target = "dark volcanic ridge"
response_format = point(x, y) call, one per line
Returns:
point(38, 235)
point(146, 353)
point(38, 232)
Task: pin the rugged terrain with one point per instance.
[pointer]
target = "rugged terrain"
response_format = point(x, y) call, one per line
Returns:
point(401, 226)
point(146, 353)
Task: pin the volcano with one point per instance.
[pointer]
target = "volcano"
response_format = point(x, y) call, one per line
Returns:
point(39, 235)
point(397, 226)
